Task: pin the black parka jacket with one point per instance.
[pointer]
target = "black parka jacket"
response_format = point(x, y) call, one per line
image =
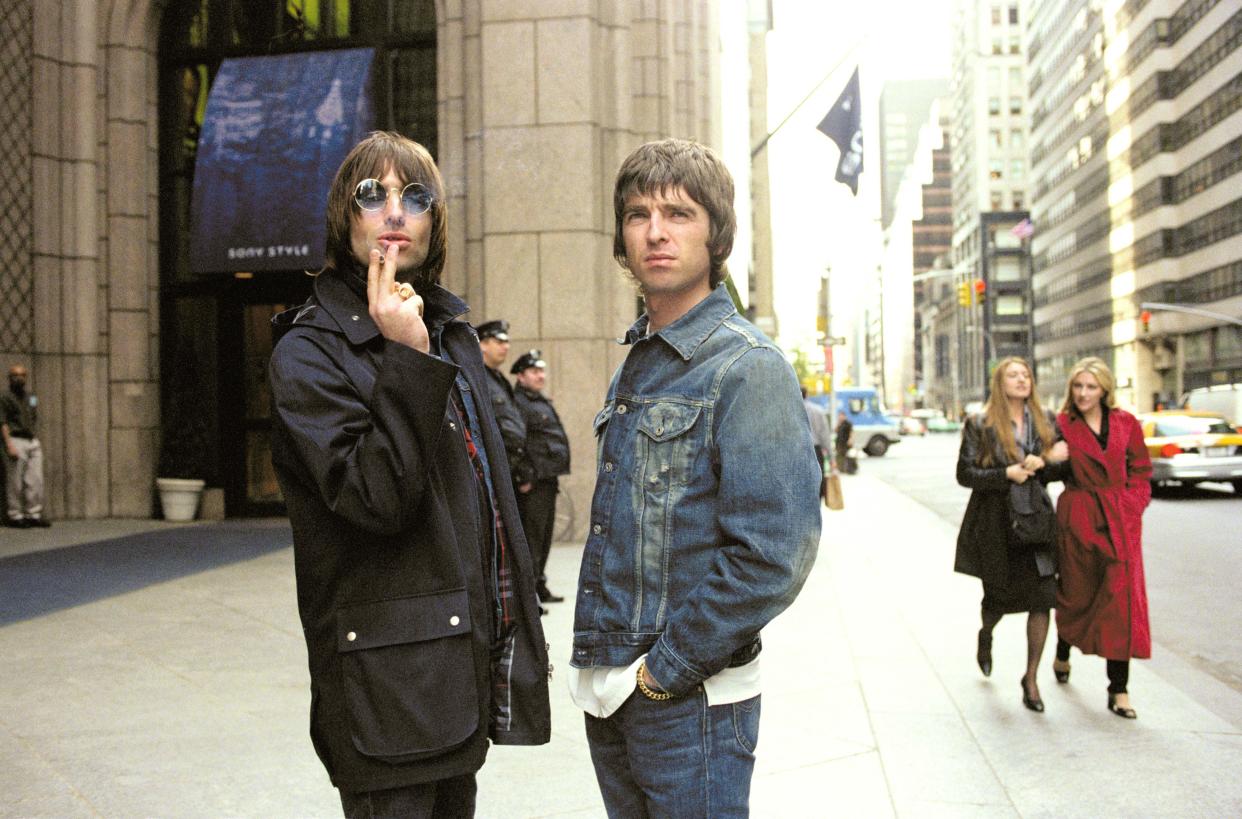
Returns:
point(386, 527)
point(981, 542)
point(547, 445)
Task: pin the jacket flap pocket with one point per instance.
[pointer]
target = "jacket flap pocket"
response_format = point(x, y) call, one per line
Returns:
point(601, 418)
point(402, 620)
point(664, 421)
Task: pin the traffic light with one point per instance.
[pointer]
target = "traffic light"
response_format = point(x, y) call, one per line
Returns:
point(963, 294)
point(981, 291)
point(1145, 317)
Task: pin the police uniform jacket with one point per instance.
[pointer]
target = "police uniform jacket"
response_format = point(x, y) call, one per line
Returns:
point(381, 493)
point(547, 445)
point(512, 426)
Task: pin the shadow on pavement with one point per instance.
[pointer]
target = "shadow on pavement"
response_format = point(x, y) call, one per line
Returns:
point(38, 583)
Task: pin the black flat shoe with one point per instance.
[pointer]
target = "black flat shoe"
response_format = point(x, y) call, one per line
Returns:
point(1124, 713)
point(1062, 675)
point(983, 654)
point(1033, 703)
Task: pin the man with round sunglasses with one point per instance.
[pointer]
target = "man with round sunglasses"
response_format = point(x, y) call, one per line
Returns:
point(414, 581)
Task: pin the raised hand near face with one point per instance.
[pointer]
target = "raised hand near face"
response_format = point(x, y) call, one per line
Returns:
point(394, 306)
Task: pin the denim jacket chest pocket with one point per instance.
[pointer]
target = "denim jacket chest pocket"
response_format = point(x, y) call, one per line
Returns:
point(667, 444)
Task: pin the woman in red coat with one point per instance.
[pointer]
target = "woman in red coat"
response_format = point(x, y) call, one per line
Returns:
point(1102, 599)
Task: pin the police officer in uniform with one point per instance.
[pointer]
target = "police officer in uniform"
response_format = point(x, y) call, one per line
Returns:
point(548, 449)
point(494, 345)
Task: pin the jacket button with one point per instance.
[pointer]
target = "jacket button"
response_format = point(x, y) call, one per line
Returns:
point(597, 528)
point(621, 410)
point(608, 466)
point(355, 318)
point(351, 636)
point(452, 426)
point(659, 430)
point(454, 620)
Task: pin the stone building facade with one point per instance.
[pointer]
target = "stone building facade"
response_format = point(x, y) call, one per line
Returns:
point(536, 103)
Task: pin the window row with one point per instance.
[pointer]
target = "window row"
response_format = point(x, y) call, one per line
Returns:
point(1214, 168)
point(1171, 136)
point(1222, 223)
point(1167, 85)
point(994, 106)
point(1083, 235)
point(1076, 282)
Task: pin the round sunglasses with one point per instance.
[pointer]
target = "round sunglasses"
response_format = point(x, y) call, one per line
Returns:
point(371, 195)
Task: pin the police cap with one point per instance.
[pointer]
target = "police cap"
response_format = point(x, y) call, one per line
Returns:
point(528, 359)
point(496, 328)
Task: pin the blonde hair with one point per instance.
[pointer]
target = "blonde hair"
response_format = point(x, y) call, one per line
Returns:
point(1097, 368)
point(996, 413)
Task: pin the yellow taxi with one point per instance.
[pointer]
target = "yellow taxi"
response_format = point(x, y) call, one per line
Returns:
point(1189, 447)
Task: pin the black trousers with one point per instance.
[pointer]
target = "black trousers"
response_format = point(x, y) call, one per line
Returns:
point(1118, 670)
point(537, 509)
point(452, 798)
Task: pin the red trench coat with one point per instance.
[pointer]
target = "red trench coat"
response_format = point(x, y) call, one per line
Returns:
point(1102, 599)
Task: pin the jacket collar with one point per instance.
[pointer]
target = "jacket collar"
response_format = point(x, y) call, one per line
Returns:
point(1076, 432)
point(347, 312)
point(687, 334)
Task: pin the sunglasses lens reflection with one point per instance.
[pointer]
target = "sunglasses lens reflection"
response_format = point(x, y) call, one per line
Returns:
point(372, 195)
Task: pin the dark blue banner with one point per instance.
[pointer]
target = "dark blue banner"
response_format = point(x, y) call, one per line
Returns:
point(843, 125)
point(274, 133)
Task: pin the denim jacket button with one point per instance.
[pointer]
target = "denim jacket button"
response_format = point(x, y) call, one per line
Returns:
point(597, 528)
point(608, 466)
point(621, 409)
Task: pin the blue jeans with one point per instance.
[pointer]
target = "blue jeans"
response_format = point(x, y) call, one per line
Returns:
point(679, 758)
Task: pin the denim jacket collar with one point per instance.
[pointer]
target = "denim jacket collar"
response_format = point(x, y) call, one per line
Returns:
point(688, 332)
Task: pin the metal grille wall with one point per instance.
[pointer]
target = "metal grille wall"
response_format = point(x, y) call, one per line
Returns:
point(16, 276)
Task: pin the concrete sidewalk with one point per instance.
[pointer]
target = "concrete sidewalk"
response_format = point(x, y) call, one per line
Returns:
point(188, 697)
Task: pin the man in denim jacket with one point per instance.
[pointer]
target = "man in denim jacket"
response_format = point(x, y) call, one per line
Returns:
point(705, 520)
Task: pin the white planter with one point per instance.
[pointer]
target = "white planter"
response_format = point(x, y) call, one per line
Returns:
point(179, 497)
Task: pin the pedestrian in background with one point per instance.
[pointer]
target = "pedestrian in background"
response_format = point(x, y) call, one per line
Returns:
point(1102, 601)
point(704, 522)
point(844, 441)
point(820, 437)
point(19, 420)
point(414, 584)
point(1013, 441)
point(547, 447)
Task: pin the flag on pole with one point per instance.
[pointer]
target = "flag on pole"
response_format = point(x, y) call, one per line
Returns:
point(843, 125)
point(1024, 229)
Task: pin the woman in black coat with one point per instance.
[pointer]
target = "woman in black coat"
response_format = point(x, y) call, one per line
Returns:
point(1012, 441)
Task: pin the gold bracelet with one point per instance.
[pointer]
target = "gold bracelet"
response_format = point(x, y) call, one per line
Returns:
point(658, 696)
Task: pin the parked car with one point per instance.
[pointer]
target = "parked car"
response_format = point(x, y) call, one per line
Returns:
point(874, 431)
point(907, 424)
point(1225, 399)
point(942, 424)
point(1189, 447)
point(934, 421)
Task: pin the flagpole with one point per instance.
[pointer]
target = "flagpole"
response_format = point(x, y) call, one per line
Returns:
point(763, 142)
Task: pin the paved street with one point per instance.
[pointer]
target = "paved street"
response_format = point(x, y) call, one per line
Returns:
point(163, 674)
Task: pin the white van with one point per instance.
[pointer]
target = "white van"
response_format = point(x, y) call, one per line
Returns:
point(1223, 398)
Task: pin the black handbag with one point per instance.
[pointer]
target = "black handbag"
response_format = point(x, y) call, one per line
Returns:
point(1031, 514)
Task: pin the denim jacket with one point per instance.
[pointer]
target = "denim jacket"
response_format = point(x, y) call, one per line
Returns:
point(705, 519)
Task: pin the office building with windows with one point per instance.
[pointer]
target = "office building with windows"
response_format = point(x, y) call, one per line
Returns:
point(1137, 140)
point(140, 138)
point(990, 186)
